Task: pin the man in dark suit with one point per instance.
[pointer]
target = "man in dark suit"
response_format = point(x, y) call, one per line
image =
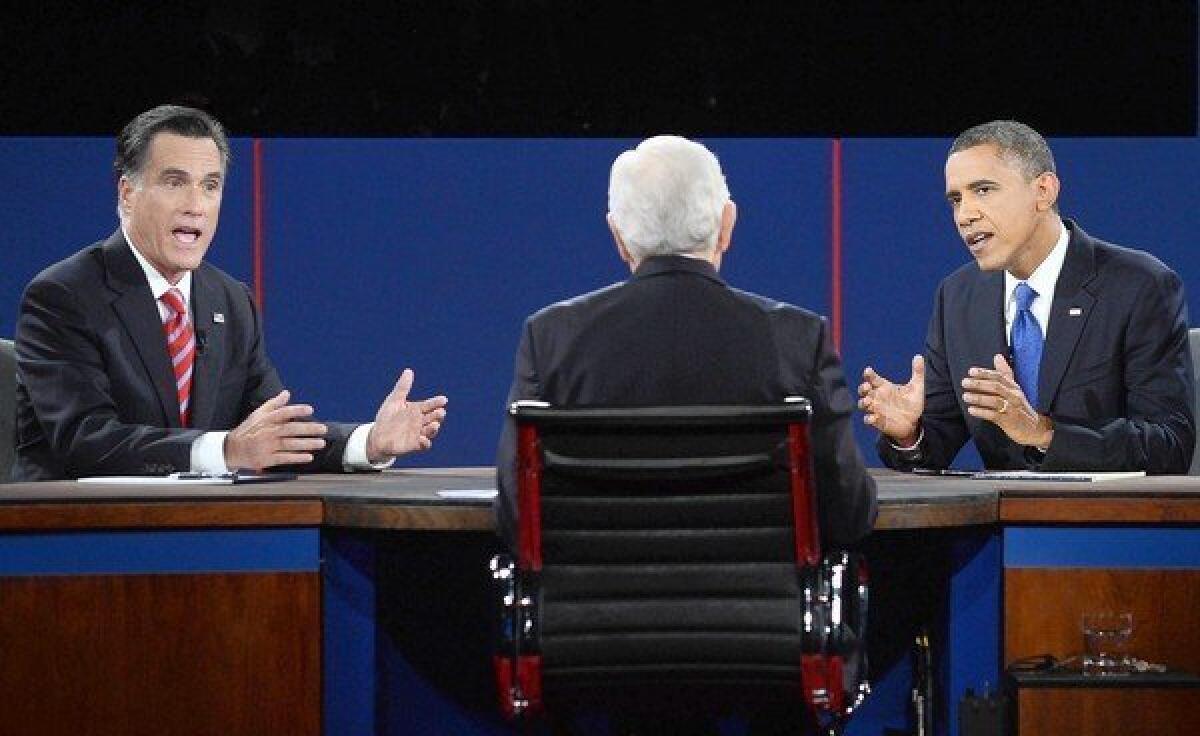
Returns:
point(1053, 350)
point(137, 357)
point(676, 334)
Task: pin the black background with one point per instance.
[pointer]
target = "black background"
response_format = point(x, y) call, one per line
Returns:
point(563, 68)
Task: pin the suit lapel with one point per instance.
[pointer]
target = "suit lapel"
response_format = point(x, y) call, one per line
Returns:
point(136, 309)
point(207, 303)
point(1069, 314)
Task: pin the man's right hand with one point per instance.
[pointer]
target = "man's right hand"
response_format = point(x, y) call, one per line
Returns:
point(894, 410)
point(274, 434)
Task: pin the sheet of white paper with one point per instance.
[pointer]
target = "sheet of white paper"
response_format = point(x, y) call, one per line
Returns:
point(468, 494)
point(1081, 477)
point(148, 480)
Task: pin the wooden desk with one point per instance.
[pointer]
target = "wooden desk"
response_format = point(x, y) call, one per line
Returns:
point(205, 609)
point(1120, 545)
point(396, 499)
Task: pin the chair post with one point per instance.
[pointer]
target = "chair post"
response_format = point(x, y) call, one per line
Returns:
point(522, 679)
point(804, 502)
point(529, 500)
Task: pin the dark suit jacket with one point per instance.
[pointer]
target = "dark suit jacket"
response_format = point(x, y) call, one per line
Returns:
point(1116, 374)
point(95, 392)
point(675, 334)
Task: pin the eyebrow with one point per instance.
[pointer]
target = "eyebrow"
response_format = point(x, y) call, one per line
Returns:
point(180, 172)
point(973, 185)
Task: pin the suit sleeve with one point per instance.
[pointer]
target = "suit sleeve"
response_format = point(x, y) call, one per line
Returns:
point(63, 370)
point(1158, 431)
point(847, 495)
point(943, 427)
point(524, 386)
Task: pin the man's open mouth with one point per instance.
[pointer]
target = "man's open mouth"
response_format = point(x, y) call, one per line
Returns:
point(977, 241)
point(186, 235)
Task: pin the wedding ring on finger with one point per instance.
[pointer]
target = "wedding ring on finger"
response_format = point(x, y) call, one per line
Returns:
point(1003, 406)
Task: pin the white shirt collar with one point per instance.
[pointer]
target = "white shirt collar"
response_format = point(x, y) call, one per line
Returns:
point(158, 284)
point(1043, 280)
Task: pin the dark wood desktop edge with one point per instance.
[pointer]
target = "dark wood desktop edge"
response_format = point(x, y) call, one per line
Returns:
point(402, 499)
point(405, 499)
point(1157, 500)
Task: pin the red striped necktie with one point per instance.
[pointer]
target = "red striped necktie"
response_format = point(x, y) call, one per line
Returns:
point(181, 344)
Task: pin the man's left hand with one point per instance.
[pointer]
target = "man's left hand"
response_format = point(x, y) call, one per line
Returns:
point(994, 395)
point(403, 426)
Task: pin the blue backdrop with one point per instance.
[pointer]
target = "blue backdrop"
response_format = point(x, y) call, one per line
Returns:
point(382, 254)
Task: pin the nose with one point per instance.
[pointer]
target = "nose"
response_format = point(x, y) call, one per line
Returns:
point(193, 201)
point(967, 213)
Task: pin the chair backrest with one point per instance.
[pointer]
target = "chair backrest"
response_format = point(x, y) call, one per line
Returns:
point(1194, 344)
point(674, 549)
point(8, 407)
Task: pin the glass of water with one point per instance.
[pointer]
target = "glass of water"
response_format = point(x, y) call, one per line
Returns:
point(1106, 636)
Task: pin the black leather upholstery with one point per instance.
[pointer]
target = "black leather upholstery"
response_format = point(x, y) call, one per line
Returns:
point(8, 407)
point(668, 551)
point(1194, 344)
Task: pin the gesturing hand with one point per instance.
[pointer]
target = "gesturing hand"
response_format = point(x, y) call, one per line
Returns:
point(994, 395)
point(274, 434)
point(403, 426)
point(894, 410)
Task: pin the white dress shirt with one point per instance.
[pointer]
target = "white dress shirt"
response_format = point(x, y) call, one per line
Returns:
point(1043, 280)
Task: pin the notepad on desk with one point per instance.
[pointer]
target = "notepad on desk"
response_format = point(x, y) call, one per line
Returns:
point(1076, 477)
point(190, 479)
point(467, 494)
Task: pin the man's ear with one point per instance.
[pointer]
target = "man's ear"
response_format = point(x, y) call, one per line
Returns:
point(621, 249)
point(725, 234)
point(1046, 191)
point(125, 192)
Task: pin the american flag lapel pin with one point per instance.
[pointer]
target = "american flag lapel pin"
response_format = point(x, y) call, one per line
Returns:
point(218, 318)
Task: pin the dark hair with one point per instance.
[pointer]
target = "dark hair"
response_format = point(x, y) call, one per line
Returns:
point(1019, 143)
point(133, 142)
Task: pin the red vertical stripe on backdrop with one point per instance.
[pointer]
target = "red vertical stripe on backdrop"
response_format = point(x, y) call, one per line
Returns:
point(835, 255)
point(257, 237)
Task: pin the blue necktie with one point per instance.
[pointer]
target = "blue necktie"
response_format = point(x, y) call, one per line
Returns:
point(1027, 343)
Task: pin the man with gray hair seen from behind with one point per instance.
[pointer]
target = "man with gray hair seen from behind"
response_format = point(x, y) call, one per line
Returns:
point(1051, 349)
point(676, 334)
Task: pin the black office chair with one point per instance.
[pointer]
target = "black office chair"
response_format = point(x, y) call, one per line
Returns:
point(8, 407)
point(673, 551)
point(1194, 344)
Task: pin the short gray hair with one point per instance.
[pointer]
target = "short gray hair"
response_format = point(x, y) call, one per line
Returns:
point(1018, 143)
point(133, 142)
point(666, 196)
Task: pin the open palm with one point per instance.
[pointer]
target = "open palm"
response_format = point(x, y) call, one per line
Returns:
point(894, 409)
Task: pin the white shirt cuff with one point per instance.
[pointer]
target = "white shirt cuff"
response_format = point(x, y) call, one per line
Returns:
point(355, 456)
point(913, 446)
point(208, 453)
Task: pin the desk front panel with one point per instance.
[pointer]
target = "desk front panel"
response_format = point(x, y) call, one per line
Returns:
point(160, 632)
point(1053, 574)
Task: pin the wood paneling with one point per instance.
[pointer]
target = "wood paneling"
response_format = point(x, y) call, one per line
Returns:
point(158, 514)
point(907, 515)
point(365, 515)
point(128, 655)
point(1100, 510)
point(1043, 606)
point(1108, 711)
